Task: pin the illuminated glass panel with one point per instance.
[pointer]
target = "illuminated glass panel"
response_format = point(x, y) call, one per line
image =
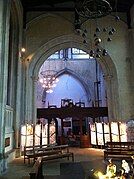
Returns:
point(44, 134)
point(52, 134)
point(26, 136)
point(106, 132)
point(100, 134)
point(93, 134)
point(123, 133)
point(114, 132)
point(37, 134)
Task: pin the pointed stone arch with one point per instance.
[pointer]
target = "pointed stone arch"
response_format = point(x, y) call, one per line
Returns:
point(44, 16)
point(51, 47)
point(78, 77)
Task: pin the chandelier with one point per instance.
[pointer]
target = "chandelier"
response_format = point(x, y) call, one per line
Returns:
point(48, 80)
point(94, 9)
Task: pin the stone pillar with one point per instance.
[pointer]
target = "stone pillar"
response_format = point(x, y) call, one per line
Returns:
point(4, 43)
point(110, 98)
point(34, 105)
point(30, 107)
point(130, 69)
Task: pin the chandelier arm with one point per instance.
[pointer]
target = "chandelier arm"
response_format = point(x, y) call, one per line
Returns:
point(93, 8)
point(48, 80)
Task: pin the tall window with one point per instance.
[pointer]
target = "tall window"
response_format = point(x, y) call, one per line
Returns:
point(70, 54)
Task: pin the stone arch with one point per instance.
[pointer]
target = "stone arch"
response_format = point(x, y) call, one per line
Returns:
point(51, 47)
point(78, 77)
point(53, 15)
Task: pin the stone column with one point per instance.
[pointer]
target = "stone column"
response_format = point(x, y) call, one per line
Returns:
point(30, 107)
point(4, 43)
point(130, 69)
point(110, 100)
point(34, 94)
point(130, 122)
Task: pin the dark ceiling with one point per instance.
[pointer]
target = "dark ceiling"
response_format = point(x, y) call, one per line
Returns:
point(69, 5)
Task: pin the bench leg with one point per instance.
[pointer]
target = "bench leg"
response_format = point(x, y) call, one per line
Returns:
point(25, 160)
point(72, 157)
point(105, 156)
point(40, 173)
point(32, 176)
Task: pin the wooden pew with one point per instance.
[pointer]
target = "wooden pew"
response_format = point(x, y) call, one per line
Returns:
point(57, 156)
point(119, 149)
point(49, 152)
point(36, 171)
point(30, 151)
point(64, 153)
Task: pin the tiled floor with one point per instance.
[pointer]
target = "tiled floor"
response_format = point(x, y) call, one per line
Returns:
point(91, 160)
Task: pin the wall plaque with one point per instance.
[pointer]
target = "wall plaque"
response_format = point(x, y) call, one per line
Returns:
point(7, 142)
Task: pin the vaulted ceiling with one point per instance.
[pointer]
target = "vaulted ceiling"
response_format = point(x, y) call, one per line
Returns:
point(69, 5)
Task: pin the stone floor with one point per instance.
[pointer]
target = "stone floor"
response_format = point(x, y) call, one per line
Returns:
point(90, 159)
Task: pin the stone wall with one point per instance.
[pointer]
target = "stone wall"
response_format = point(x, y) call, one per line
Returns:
point(50, 26)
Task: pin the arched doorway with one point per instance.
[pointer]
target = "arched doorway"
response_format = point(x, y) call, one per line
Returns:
point(54, 45)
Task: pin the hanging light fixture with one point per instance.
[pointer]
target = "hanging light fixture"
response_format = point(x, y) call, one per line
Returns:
point(48, 80)
point(47, 76)
point(94, 9)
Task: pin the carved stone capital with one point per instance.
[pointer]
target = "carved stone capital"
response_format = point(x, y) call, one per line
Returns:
point(34, 78)
point(108, 77)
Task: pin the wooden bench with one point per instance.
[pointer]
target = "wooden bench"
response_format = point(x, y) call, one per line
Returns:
point(64, 153)
point(57, 156)
point(118, 149)
point(58, 151)
point(36, 171)
point(30, 152)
